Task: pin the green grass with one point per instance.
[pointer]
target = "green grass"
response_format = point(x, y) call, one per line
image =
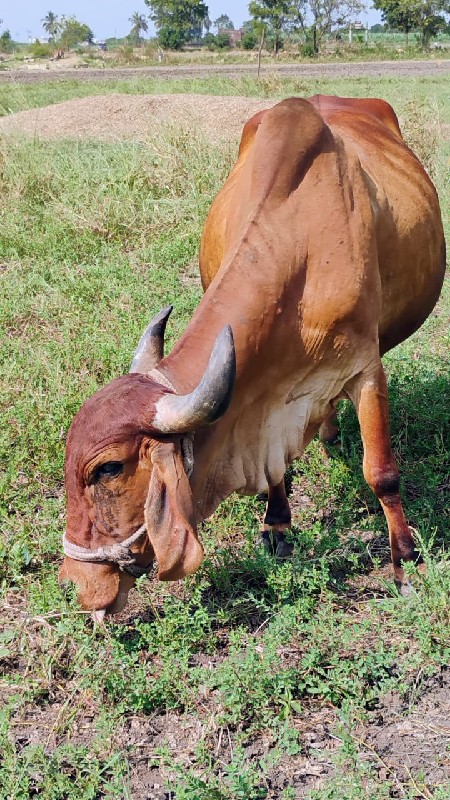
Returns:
point(20, 96)
point(95, 238)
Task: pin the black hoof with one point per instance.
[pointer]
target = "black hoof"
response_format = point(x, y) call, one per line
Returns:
point(274, 542)
point(284, 549)
point(265, 540)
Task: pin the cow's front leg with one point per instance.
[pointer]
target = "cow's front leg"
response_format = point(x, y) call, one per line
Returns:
point(277, 520)
point(370, 396)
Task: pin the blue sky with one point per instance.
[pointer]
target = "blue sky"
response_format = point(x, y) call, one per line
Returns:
point(107, 17)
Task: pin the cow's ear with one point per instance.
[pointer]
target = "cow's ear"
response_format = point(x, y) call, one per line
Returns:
point(169, 515)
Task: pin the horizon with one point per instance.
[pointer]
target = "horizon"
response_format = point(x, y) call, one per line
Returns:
point(110, 19)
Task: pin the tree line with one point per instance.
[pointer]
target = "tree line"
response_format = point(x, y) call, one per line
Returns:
point(428, 17)
point(179, 22)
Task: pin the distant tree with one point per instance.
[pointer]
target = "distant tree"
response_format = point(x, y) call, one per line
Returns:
point(224, 23)
point(378, 28)
point(74, 32)
point(223, 40)
point(218, 42)
point(274, 15)
point(139, 23)
point(177, 21)
point(399, 15)
point(427, 16)
point(6, 42)
point(317, 18)
point(51, 25)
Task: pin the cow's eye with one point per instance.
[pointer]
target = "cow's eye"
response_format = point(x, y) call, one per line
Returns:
point(108, 470)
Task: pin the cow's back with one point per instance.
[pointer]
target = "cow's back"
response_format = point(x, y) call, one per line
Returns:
point(407, 222)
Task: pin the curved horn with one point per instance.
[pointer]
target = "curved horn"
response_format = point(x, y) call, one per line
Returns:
point(209, 400)
point(150, 349)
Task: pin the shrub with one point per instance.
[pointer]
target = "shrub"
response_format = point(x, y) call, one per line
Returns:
point(39, 50)
point(222, 40)
point(210, 41)
point(249, 40)
point(307, 50)
point(126, 54)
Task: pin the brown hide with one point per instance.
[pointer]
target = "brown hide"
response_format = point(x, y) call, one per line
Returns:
point(169, 516)
point(411, 247)
point(323, 249)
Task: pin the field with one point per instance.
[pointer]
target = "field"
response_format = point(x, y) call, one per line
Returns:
point(252, 679)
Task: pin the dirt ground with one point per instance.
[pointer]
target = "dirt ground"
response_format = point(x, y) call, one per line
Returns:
point(403, 737)
point(417, 69)
point(116, 117)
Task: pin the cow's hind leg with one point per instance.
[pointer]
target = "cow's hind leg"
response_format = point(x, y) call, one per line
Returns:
point(277, 520)
point(370, 396)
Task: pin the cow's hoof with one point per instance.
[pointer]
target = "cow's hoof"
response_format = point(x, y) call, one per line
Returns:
point(283, 549)
point(274, 542)
point(265, 540)
point(406, 589)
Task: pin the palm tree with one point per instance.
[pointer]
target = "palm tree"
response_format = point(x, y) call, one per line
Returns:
point(51, 24)
point(139, 23)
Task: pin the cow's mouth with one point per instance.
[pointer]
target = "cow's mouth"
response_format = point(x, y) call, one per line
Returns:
point(98, 615)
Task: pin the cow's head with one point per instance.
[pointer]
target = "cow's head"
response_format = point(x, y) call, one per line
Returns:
point(128, 460)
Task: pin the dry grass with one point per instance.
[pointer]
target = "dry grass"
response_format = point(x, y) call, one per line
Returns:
point(423, 131)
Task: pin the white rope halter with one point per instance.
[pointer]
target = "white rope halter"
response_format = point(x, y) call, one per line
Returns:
point(118, 553)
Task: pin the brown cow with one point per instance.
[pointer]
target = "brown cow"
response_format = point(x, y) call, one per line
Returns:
point(323, 250)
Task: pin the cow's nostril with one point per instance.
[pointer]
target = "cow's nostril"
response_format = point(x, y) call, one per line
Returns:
point(65, 585)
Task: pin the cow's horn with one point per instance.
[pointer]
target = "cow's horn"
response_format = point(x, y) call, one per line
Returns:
point(150, 349)
point(209, 400)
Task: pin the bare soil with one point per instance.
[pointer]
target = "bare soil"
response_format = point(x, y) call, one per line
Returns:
point(437, 66)
point(114, 117)
point(401, 739)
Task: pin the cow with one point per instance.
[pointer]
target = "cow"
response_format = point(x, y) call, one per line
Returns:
point(322, 251)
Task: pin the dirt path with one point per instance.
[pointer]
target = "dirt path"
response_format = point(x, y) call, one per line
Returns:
point(343, 70)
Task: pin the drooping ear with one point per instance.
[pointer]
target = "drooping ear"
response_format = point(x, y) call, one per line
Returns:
point(169, 515)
